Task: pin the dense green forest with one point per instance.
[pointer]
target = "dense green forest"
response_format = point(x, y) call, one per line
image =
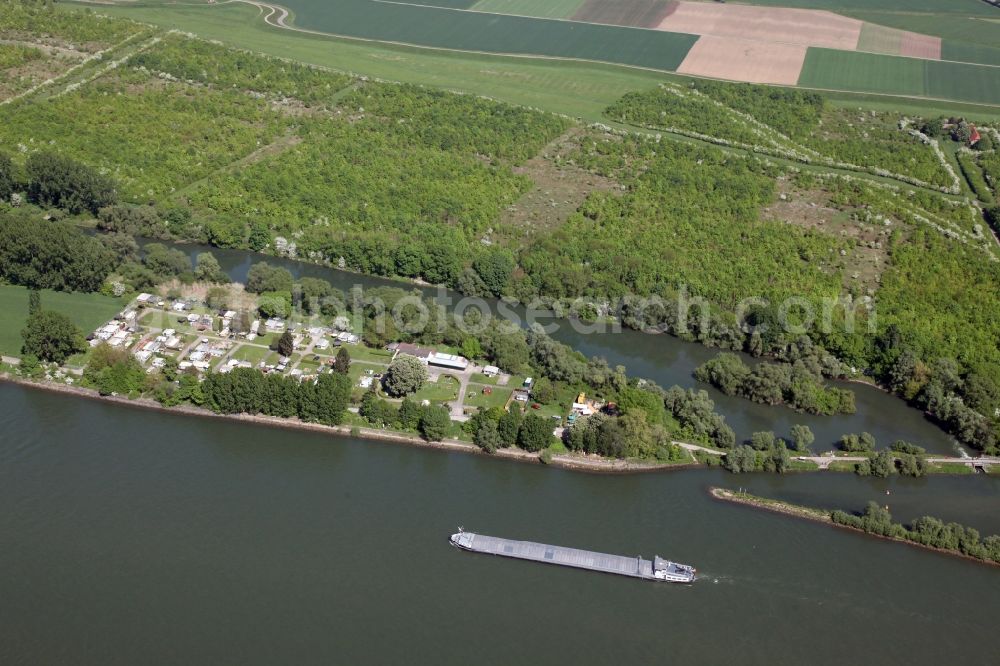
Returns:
point(349, 184)
point(457, 123)
point(799, 385)
point(689, 216)
point(151, 136)
point(789, 123)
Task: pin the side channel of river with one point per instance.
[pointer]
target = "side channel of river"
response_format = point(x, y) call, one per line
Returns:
point(666, 360)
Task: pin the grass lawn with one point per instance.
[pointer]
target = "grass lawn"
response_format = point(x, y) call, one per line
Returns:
point(88, 311)
point(498, 398)
point(480, 378)
point(366, 354)
point(267, 339)
point(308, 367)
point(445, 389)
point(253, 354)
point(358, 368)
point(949, 468)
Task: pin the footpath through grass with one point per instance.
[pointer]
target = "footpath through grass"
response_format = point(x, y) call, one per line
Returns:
point(87, 311)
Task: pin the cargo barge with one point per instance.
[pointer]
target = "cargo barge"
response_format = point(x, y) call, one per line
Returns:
point(657, 569)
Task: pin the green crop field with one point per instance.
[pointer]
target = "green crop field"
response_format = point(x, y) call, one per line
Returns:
point(868, 72)
point(88, 311)
point(952, 80)
point(966, 52)
point(847, 70)
point(450, 4)
point(975, 7)
point(540, 8)
point(473, 31)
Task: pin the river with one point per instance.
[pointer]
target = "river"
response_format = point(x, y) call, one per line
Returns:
point(132, 536)
point(667, 361)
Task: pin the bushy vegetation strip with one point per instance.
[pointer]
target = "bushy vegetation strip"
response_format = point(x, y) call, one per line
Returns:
point(951, 538)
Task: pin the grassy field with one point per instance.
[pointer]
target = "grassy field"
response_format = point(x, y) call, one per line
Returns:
point(445, 389)
point(253, 354)
point(840, 70)
point(972, 7)
point(845, 70)
point(951, 80)
point(472, 31)
point(543, 8)
point(577, 89)
point(496, 398)
point(451, 4)
point(87, 311)
point(967, 52)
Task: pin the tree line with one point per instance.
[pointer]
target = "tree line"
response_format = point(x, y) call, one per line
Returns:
point(798, 385)
point(249, 391)
point(927, 531)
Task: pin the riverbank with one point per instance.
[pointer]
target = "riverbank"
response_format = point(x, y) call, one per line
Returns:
point(580, 462)
point(569, 461)
point(825, 517)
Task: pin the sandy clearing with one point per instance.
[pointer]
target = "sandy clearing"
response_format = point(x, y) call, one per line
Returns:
point(745, 60)
point(807, 27)
point(916, 45)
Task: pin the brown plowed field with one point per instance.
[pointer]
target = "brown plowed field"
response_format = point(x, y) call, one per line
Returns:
point(745, 60)
point(920, 46)
point(881, 39)
point(806, 27)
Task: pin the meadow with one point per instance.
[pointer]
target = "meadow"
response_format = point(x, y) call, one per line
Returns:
point(87, 311)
